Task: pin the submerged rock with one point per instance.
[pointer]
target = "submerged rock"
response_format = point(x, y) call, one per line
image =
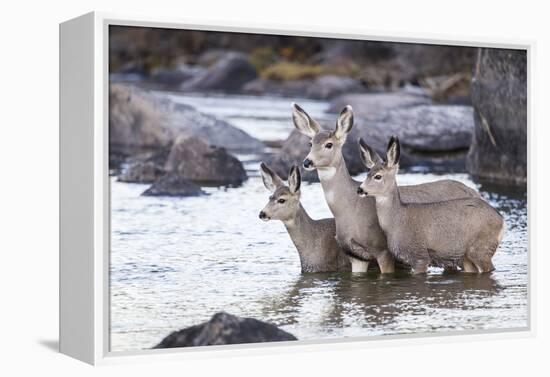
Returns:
point(225, 328)
point(195, 160)
point(141, 172)
point(228, 74)
point(173, 184)
point(499, 97)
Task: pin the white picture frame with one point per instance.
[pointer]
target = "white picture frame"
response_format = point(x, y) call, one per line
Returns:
point(84, 192)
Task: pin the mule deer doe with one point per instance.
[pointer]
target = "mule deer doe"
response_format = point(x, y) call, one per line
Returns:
point(460, 232)
point(355, 217)
point(314, 239)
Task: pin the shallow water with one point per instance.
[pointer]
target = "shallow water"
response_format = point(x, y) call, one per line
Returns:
point(177, 261)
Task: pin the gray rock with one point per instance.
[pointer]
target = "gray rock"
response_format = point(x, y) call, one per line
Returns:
point(323, 87)
point(429, 128)
point(193, 159)
point(139, 120)
point(228, 74)
point(135, 122)
point(499, 97)
point(141, 172)
point(186, 120)
point(376, 105)
point(174, 76)
point(225, 328)
point(173, 184)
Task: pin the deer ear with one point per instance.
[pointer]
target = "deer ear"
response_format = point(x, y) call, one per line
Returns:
point(368, 155)
point(270, 178)
point(294, 179)
point(394, 151)
point(303, 122)
point(344, 122)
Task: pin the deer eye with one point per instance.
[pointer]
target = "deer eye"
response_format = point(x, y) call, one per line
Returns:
point(281, 201)
point(378, 177)
point(328, 145)
point(310, 144)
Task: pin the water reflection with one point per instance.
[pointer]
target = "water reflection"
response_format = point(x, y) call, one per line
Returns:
point(378, 300)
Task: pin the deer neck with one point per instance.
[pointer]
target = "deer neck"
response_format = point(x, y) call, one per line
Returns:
point(388, 207)
point(301, 229)
point(338, 186)
point(299, 224)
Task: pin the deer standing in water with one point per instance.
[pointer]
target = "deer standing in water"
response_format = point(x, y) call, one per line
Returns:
point(357, 228)
point(460, 232)
point(314, 239)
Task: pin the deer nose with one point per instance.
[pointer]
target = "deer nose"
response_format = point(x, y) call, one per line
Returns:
point(262, 215)
point(360, 191)
point(307, 163)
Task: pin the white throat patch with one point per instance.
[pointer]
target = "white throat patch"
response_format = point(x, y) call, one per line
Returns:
point(326, 173)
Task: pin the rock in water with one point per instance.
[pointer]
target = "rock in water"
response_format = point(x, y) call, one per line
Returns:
point(375, 105)
point(225, 328)
point(499, 97)
point(173, 184)
point(429, 128)
point(139, 120)
point(229, 74)
point(141, 172)
point(195, 160)
point(135, 122)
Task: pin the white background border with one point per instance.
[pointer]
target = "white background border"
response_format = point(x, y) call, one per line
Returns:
point(30, 145)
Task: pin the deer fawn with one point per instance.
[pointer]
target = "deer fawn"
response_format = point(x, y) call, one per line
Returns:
point(460, 232)
point(357, 228)
point(314, 239)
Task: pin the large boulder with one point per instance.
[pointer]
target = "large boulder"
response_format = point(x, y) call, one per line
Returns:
point(499, 97)
point(322, 87)
point(431, 135)
point(193, 159)
point(140, 120)
point(135, 121)
point(216, 132)
point(429, 128)
point(173, 184)
point(228, 74)
point(225, 328)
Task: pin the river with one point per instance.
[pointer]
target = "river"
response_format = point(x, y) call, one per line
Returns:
point(177, 261)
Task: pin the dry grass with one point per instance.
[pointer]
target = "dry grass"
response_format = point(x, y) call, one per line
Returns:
point(290, 71)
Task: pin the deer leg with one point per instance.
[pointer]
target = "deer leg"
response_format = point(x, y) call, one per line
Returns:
point(484, 264)
point(421, 267)
point(386, 262)
point(420, 261)
point(469, 266)
point(481, 254)
point(359, 265)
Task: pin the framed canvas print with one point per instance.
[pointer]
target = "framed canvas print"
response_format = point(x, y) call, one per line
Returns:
point(233, 189)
